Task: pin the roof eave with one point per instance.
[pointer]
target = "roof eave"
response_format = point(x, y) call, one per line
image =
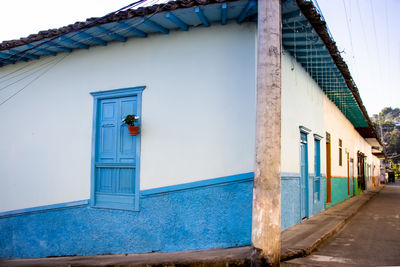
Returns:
point(310, 12)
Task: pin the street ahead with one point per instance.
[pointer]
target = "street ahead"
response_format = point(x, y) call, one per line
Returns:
point(372, 237)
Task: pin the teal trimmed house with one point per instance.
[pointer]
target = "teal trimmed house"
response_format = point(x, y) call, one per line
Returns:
point(74, 181)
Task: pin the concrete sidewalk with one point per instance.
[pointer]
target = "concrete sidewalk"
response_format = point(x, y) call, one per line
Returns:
point(297, 241)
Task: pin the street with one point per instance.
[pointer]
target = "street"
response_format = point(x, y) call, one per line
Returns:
point(371, 238)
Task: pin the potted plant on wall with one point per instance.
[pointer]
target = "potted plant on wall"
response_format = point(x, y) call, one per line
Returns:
point(130, 120)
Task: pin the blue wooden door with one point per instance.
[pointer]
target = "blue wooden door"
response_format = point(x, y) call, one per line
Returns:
point(115, 161)
point(303, 177)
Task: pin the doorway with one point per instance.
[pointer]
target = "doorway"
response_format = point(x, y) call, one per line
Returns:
point(304, 176)
point(360, 170)
point(351, 176)
point(328, 169)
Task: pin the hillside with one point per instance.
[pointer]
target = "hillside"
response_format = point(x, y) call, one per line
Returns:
point(387, 124)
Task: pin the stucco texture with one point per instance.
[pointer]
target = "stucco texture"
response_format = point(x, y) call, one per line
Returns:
point(290, 199)
point(200, 218)
point(339, 191)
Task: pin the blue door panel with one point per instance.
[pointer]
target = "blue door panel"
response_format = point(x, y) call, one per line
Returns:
point(127, 146)
point(105, 180)
point(108, 110)
point(115, 154)
point(107, 142)
point(126, 180)
point(114, 201)
point(304, 176)
point(108, 131)
point(128, 106)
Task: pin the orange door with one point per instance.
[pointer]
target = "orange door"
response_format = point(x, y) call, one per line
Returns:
point(328, 168)
point(348, 174)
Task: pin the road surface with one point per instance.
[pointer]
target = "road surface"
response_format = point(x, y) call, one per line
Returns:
point(371, 238)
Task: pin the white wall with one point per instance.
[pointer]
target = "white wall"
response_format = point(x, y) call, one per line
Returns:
point(302, 105)
point(305, 104)
point(340, 127)
point(198, 113)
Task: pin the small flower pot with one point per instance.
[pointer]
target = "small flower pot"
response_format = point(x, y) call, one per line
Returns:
point(133, 130)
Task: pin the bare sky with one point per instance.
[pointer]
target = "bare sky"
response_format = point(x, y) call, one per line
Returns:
point(365, 30)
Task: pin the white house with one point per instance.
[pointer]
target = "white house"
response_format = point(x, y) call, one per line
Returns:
point(74, 182)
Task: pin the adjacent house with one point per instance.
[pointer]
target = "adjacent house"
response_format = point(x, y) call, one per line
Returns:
point(75, 182)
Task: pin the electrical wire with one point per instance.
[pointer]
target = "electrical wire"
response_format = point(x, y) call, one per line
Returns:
point(44, 64)
point(114, 29)
point(376, 39)
point(12, 72)
point(387, 33)
point(19, 74)
point(363, 27)
point(350, 35)
point(35, 79)
point(22, 53)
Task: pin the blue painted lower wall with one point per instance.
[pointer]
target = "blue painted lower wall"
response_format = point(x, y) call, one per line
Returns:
point(290, 198)
point(207, 214)
point(211, 216)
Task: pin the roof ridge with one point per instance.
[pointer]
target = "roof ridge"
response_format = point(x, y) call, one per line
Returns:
point(121, 15)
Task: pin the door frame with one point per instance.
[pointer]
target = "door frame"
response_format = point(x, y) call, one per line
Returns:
point(351, 176)
point(328, 169)
point(116, 93)
point(304, 194)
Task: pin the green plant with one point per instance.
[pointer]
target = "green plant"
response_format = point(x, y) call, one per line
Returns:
point(130, 120)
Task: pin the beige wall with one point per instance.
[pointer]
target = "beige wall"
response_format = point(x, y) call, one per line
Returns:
point(340, 127)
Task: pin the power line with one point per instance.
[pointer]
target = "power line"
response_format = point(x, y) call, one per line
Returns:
point(19, 74)
point(23, 67)
point(118, 29)
point(387, 33)
point(20, 90)
point(363, 27)
point(376, 39)
point(35, 71)
point(22, 53)
point(350, 35)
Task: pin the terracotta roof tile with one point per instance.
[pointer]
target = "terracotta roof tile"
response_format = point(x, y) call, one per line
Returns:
point(122, 15)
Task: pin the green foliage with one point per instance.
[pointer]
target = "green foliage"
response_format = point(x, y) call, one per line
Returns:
point(387, 124)
point(393, 142)
point(396, 169)
point(130, 120)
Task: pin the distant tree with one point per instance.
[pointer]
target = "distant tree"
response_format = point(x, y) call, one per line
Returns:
point(393, 143)
point(396, 169)
point(387, 124)
point(389, 114)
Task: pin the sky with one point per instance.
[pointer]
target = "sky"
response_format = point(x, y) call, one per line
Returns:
point(365, 30)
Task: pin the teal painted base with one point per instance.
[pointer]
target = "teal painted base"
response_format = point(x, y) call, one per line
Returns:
point(339, 191)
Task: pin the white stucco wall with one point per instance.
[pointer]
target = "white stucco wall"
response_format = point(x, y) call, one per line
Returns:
point(302, 105)
point(198, 113)
point(305, 104)
point(340, 127)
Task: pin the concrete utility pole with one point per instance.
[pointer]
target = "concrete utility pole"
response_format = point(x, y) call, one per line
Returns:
point(266, 227)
